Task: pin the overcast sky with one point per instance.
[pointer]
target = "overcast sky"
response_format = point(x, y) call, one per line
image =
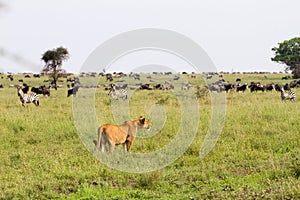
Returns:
point(236, 34)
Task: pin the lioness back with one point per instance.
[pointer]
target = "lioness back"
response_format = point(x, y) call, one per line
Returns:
point(114, 134)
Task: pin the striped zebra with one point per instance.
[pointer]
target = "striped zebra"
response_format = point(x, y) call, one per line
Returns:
point(287, 95)
point(28, 98)
point(117, 94)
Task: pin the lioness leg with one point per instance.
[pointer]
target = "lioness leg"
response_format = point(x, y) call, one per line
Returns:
point(125, 146)
point(129, 142)
point(111, 146)
point(100, 131)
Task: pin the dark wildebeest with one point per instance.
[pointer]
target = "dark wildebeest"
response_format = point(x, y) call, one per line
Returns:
point(278, 87)
point(176, 78)
point(36, 90)
point(228, 87)
point(270, 87)
point(286, 87)
point(242, 88)
point(145, 87)
point(295, 83)
point(45, 90)
point(73, 91)
point(109, 77)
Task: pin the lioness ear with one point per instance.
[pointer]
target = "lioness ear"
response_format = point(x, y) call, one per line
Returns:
point(142, 120)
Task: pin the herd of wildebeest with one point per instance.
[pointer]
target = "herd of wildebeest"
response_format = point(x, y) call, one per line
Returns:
point(117, 86)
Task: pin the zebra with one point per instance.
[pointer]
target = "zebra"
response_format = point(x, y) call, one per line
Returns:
point(28, 98)
point(185, 86)
point(117, 93)
point(287, 95)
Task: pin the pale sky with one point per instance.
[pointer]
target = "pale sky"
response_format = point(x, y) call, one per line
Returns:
point(236, 34)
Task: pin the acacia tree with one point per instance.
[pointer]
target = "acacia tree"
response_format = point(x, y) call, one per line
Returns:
point(53, 62)
point(288, 53)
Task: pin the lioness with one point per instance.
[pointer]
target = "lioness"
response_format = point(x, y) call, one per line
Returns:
point(120, 134)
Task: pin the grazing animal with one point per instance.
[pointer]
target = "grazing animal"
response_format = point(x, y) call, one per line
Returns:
point(118, 94)
point(228, 87)
point(73, 91)
point(109, 77)
point(242, 88)
point(36, 75)
point(176, 78)
point(145, 87)
point(120, 134)
point(286, 87)
point(287, 95)
point(45, 90)
point(185, 86)
point(1, 86)
point(136, 77)
point(28, 98)
point(270, 87)
point(36, 90)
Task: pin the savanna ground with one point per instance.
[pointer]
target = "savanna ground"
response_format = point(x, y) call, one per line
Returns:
point(256, 157)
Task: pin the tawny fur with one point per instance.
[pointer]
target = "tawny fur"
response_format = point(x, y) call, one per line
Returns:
point(120, 134)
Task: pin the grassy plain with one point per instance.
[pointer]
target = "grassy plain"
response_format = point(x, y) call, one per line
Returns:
point(257, 155)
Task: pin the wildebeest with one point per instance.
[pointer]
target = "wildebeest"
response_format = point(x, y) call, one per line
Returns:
point(295, 83)
point(145, 87)
point(176, 78)
point(278, 87)
point(10, 77)
point(45, 90)
point(242, 88)
point(256, 87)
point(215, 87)
point(238, 80)
point(136, 77)
point(286, 87)
point(157, 86)
point(109, 77)
point(209, 76)
point(228, 86)
point(73, 91)
point(27, 76)
point(36, 90)
point(270, 87)
point(1, 86)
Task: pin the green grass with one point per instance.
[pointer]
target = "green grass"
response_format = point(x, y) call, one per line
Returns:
point(257, 155)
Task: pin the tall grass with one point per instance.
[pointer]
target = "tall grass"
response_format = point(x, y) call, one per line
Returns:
point(256, 156)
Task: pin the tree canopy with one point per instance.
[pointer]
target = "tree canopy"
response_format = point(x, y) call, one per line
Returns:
point(288, 53)
point(53, 62)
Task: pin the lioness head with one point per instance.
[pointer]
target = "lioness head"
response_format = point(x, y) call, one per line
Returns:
point(143, 122)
